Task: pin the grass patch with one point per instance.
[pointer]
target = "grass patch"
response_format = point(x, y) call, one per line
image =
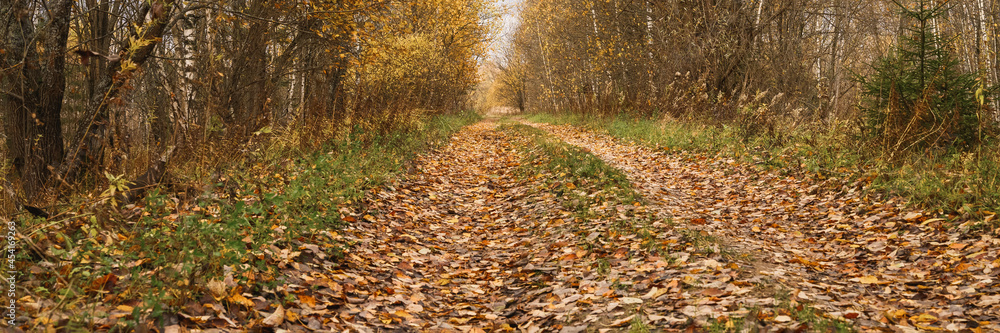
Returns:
point(955, 184)
point(726, 324)
point(590, 189)
point(574, 171)
point(807, 317)
point(164, 252)
point(638, 325)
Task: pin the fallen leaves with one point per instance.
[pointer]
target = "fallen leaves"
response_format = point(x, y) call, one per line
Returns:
point(485, 235)
point(853, 252)
point(479, 238)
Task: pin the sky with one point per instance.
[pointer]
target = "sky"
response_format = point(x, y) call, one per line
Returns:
point(508, 23)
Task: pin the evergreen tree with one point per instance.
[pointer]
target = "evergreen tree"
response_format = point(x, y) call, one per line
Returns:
point(917, 96)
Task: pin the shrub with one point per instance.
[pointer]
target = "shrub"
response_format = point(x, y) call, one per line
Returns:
point(918, 97)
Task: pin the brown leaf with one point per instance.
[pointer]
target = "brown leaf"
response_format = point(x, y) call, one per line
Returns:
point(275, 318)
point(217, 288)
point(622, 322)
point(104, 283)
point(713, 292)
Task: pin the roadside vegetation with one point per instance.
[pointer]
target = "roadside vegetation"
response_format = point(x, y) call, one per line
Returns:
point(216, 230)
point(916, 118)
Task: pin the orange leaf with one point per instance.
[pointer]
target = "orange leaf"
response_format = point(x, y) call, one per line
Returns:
point(308, 300)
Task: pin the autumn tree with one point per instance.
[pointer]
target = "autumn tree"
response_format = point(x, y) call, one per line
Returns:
point(765, 66)
point(36, 53)
point(100, 87)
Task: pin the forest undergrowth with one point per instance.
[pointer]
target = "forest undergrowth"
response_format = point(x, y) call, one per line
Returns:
point(225, 223)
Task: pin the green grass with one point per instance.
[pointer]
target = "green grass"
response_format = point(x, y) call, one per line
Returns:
point(954, 184)
point(583, 183)
point(277, 196)
point(573, 168)
point(809, 318)
point(728, 325)
point(638, 325)
point(809, 315)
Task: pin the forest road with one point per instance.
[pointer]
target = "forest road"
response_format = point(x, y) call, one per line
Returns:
point(479, 237)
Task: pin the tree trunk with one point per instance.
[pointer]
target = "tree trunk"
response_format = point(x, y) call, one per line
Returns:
point(93, 128)
point(33, 87)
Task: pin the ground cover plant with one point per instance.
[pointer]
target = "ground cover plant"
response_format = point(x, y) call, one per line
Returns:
point(101, 266)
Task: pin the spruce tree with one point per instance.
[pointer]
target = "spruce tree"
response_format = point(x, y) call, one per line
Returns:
point(918, 96)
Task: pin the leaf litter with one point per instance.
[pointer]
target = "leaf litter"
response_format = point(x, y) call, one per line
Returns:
point(505, 229)
point(857, 256)
point(491, 233)
point(483, 237)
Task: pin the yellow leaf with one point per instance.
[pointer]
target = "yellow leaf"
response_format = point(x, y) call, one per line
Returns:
point(291, 316)
point(124, 308)
point(923, 318)
point(402, 314)
point(868, 279)
point(239, 299)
